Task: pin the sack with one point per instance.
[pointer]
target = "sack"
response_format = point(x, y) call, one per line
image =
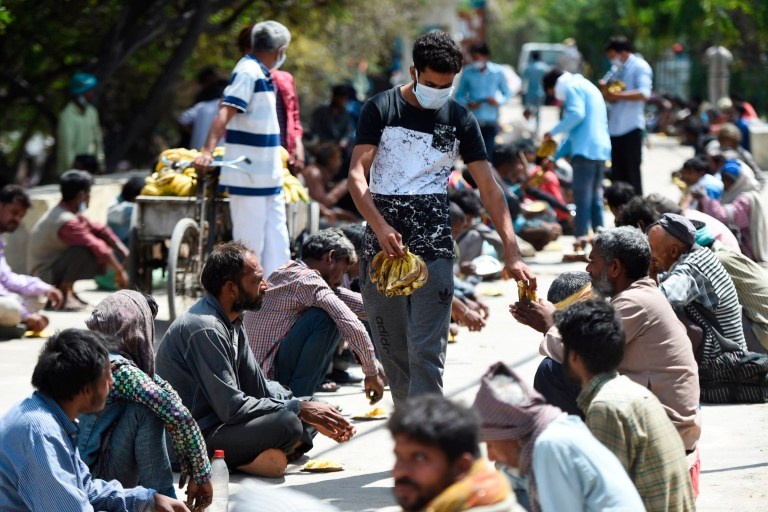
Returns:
point(734, 377)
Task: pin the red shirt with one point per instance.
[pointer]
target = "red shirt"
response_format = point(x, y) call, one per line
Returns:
point(98, 238)
point(287, 88)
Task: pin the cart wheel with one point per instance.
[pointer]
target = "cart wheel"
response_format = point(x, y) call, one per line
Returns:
point(183, 268)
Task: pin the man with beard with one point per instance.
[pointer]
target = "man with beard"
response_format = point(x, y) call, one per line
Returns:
point(205, 356)
point(16, 290)
point(623, 415)
point(658, 353)
point(296, 333)
point(437, 460)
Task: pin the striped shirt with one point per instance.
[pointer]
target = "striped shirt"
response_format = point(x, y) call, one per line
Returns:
point(293, 289)
point(698, 277)
point(40, 466)
point(253, 132)
point(630, 421)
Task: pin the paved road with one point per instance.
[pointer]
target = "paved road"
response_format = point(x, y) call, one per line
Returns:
point(734, 445)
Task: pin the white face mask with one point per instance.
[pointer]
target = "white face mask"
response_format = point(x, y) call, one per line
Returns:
point(616, 62)
point(82, 207)
point(280, 60)
point(429, 97)
point(478, 65)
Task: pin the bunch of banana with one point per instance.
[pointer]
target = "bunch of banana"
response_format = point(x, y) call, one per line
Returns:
point(398, 276)
point(547, 149)
point(615, 86)
point(293, 190)
point(524, 292)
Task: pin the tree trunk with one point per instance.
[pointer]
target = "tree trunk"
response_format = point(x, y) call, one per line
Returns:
point(145, 120)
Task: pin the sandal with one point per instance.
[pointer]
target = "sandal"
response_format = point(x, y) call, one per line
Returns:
point(328, 386)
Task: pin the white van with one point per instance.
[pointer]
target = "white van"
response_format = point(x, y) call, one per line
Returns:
point(550, 54)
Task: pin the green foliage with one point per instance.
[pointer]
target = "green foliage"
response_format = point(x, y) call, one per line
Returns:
point(141, 53)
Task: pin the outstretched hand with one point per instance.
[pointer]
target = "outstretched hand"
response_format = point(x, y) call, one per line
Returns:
point(539, 315)
point(327, 420)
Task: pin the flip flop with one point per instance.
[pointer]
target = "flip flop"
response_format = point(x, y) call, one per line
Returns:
point(328, 386)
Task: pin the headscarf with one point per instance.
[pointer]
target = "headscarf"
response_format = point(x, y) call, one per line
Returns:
point(126, 315)
point(509, 408)
point(758, 225)
point(679, 227)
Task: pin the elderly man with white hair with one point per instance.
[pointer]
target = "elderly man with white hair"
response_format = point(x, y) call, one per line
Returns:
point(256, 201)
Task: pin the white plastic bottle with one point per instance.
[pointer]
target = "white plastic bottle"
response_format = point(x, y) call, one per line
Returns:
point(220, 483)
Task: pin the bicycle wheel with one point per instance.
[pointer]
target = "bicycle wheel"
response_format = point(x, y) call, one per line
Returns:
point(184, 266)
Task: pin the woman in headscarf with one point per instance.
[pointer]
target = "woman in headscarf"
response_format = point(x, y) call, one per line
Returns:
point(741, 208)
point(126, 441)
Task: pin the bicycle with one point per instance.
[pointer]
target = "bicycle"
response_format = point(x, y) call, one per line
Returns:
point(194, 238)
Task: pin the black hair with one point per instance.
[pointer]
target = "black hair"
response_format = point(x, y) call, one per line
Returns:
point(356, 234)
point(566, 284)
point(15, 194)
point(73, 182)
point(468, 200)
point(619, 44)
point(638, 209)
point(436, 421)
point(324, 241)
point(456, 214)
point(549, 80)
point(69, 361)
point(438, 52)
point(479, 49)
point(205, 74)
point(593, 330)
point(244, 38)
point(628, 245)
point(226, 263)
point(324, 151)
point(340, 91)
point(132, 188)
point(535, 55)
point(152, 303)
point(619, 194)
point(504, 154)
point(697, 164)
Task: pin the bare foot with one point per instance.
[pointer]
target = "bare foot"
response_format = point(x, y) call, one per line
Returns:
point(269, 464)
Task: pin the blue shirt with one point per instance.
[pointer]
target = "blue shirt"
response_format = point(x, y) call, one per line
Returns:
point(585, 121)
point(575, 472)
point(626, 115)
point(712, 185)
point(40, 467)
point(476, 85)
point(533, 74)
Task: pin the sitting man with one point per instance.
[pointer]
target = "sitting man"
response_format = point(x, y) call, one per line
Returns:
point(658, 353)
point(296, 332)
point(437, 460)
point(567, 468)
point(65, 247)
point(568, 288)
point(695, 281)
point(40, 466)
point(205, 356)
point(18, 293)
point(623, 415)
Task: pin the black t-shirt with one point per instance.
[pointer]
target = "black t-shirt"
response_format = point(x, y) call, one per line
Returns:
point(409, 174)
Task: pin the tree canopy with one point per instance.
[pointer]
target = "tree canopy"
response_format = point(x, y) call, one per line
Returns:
point(146, 54)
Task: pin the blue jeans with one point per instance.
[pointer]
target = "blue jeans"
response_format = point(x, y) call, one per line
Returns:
point(306, 352)
point(587, 194)
point(137, 453)
point(556, 388)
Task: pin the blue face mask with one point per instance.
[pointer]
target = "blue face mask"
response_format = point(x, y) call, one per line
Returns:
point(82, 207)
point(429, 97)
point(280, 61)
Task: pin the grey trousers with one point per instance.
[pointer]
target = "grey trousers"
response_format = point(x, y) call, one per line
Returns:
point(411, 333)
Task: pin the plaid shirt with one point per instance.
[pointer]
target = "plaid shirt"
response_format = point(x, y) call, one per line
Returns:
point(630, 421)
point(685, 284)
point(294, 288)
